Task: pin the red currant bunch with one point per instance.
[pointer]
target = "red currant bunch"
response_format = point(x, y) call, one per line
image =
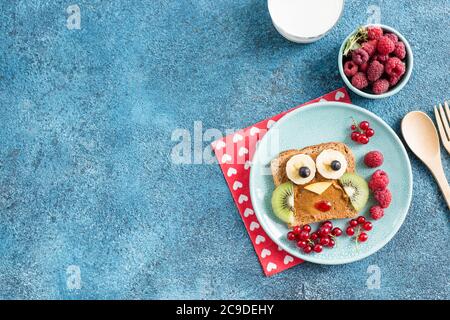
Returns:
point(361, 133)
point(324, 237)
point(358, 228)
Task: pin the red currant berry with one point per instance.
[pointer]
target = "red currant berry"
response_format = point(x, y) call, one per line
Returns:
point(336, 232)
point(302, 244)
point(370, 132)
point(327, 224)
point(363, 139)
point(355, 136)
point(317, 248)
point(296, 230)
point(363, 237)
point(367, 226)
point(324, 231)
point(353, 127)
point(307, 249)
point(307, 228)
point(304, 235)
point(314, 236)
point(332, 243)
point(291, 236)
point(350, 231)
point(353, 223)
point(364, 125)
point(325, 241)
point(361, 220)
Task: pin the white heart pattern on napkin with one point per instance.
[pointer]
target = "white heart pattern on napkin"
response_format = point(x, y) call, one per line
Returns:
point(288, 259)
point(231, 171)
point(242, 198)
point(254, 225)
point(247, 165)
point(271, 266)
point(248, 212)
point(237, 185)
point(259, 239)
point(270, 123)
point(237, 137)
point(226, 158)
point(219, 145)
point(265, 253)
point(339, 95)
point(253, 131)
point(242, 151)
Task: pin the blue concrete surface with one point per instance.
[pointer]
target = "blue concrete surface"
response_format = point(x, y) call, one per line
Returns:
point(86, 178)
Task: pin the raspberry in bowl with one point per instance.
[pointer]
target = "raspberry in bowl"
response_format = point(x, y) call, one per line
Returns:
point(375, 61)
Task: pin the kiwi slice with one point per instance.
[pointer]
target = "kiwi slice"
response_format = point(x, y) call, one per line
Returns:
point(283, 202)
point(356, 188)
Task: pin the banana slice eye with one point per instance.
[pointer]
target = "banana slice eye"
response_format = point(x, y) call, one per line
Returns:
point(331, 164)
point(301, 169)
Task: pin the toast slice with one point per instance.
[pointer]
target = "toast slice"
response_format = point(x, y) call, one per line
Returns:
point(304, 200)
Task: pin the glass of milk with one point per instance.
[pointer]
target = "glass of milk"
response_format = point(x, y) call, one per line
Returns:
point(305, 21)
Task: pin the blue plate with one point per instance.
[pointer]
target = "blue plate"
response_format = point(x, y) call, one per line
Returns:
point(326, 122)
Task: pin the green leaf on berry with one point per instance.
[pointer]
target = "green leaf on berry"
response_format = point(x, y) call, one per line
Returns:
point(355, 40)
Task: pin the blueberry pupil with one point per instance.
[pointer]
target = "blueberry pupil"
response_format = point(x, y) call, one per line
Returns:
point(335, 165)
point(304, 172)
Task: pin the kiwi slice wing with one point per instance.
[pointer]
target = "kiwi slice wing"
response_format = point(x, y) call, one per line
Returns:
point(356, 188)
point(283, 202)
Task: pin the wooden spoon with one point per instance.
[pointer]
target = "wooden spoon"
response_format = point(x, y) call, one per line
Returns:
point(422, 138)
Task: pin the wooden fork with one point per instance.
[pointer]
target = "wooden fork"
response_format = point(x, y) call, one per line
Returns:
point(442, 120)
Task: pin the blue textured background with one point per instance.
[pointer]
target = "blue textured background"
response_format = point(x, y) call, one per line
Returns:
point(86, 118)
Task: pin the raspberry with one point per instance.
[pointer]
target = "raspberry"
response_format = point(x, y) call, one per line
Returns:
point(370, 47)
point(393, 80)
point(373, 159)
point(350, 68)
point(395, 67)
point(360, 56)
point(374, 33)
point(385, 45)
point(392, 36)
point(378, 174)
point(378, 181)
point(363, 67)
point(381, 58)
point(375, 71)
point(380, 86)
point(359, 80)
point(384, 197)
point(400, 50)
point(378, 184)
point(376, 212)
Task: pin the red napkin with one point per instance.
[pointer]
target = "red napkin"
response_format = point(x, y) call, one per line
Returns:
point(234, 153)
